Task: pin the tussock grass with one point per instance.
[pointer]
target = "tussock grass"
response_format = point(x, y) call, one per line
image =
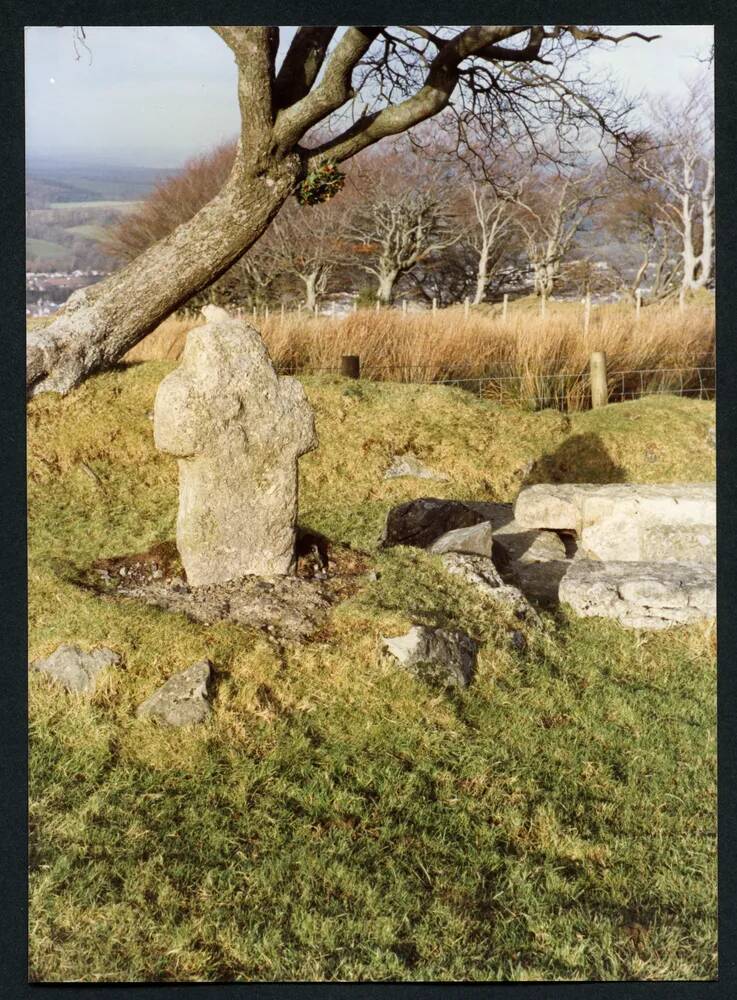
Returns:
point(533, 351)
point(335, 819)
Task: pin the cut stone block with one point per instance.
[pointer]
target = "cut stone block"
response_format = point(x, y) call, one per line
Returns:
point(627, 522)
point(641, 595)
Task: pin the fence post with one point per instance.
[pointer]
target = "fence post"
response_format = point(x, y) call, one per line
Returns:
point(434, 305)
point(378, 305)
point(587, 314)
point(317, 309)
point(350, 366)
point(282, 310)
point(254, 312)
point(638, 302)
point(599, 392)
point(299, 308)
point(266, 312)
point(466, 306)
point(355, 305)
point(543, 298)
point(504, 306)
point(404, 306)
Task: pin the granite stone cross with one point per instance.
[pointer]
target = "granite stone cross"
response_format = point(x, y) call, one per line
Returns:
point(238, 430)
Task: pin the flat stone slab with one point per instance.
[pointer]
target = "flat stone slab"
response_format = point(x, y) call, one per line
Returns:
point(409, 465)
point(641, 595)
point(182, 700)
point(627, 522)
point(440, 656)
point(74, 669)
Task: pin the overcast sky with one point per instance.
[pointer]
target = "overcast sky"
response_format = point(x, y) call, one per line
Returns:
point(156, 96)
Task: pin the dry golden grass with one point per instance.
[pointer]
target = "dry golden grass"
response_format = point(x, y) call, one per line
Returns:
point(531, 352)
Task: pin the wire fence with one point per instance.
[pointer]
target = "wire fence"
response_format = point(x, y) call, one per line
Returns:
point(538, 390)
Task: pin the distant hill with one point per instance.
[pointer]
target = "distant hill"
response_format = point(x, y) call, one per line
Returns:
point(48, 183)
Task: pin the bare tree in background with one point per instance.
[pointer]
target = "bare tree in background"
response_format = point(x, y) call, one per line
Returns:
point(680, 170)
point(396, 233)
point(365, 83)
point(308, 247)
point(487, 238)
point(551, 211)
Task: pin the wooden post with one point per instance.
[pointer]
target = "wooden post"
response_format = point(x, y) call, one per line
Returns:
point(543, 298)
point(350, 366)
point(317, 309)
point(254, 312)
point(378, 305)
point(587, 314)
point(355, 305)
point(434, 305)
point(599, 392)
point(466, 307)
point(266, 312)
point(504, 306)
point(282, 311)
point(404, 306)
point(638, 302)
point(299, 308)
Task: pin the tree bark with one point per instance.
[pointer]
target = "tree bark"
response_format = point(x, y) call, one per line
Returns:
point(101, 322)
point(385, 292)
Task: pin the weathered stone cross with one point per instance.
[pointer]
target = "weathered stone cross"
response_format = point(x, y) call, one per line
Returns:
point(237, 429)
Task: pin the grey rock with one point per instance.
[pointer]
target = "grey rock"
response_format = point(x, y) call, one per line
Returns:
point(476, 540)
point(409, 465)
point(482, 574)
point(420, 522)
point(74, 669)
point(237, 429)
point(646, 595)
point(444, 656)
point(182, 700)
point(540, 581)
point(632, 522)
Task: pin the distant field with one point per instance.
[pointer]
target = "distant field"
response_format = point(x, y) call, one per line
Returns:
point(89, 231)
point(123, 206)
point(45, 250)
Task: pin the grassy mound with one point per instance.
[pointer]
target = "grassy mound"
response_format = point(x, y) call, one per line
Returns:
point(335, 819)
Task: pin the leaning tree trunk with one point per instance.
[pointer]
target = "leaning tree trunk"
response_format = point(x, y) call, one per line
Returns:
point(101, 322)
point(482, 276)
point(310, 283)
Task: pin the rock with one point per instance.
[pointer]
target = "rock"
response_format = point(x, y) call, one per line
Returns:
point(420, 522)
point(237, 429)
point(481, 573)
point(641, 595)
point(514, 541)
point(630, 522)
point(445, 656)
point(182, 700)
point(215, 314)
point(539, 581)
point(409, 465)
point(74, 669)
point(476, 540)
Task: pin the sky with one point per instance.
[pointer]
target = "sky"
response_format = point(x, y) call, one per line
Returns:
point(156, 96)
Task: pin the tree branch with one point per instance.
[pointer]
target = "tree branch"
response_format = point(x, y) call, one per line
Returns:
point(301, 65)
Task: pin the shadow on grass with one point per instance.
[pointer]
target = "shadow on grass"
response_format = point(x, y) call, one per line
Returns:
point(582, 458)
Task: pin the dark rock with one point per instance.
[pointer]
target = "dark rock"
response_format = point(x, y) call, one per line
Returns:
point(420, 522)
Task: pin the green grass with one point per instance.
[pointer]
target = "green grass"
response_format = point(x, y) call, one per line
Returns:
point(89, 231)
point(124, 206)
point(46, 250)
point(336, 819)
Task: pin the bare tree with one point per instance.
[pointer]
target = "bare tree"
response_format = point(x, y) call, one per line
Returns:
point(680, 170)
point(493, 226)
point(387, 80)
point(396, 233)
point(551, 211)
point(308, 247)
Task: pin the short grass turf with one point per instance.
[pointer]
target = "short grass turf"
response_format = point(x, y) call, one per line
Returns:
point(335, 819)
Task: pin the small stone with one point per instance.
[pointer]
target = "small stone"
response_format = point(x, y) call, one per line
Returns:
point(474, 540)
point(182, 700)
point(445, 656)
point(74, 669)
point(409, 465)
point(123, 571)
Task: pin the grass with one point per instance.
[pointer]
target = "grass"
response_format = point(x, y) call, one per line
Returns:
point(46, 250)
point(336, 820)
point(89, 231)
point(526, 355)
point(123, 206)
